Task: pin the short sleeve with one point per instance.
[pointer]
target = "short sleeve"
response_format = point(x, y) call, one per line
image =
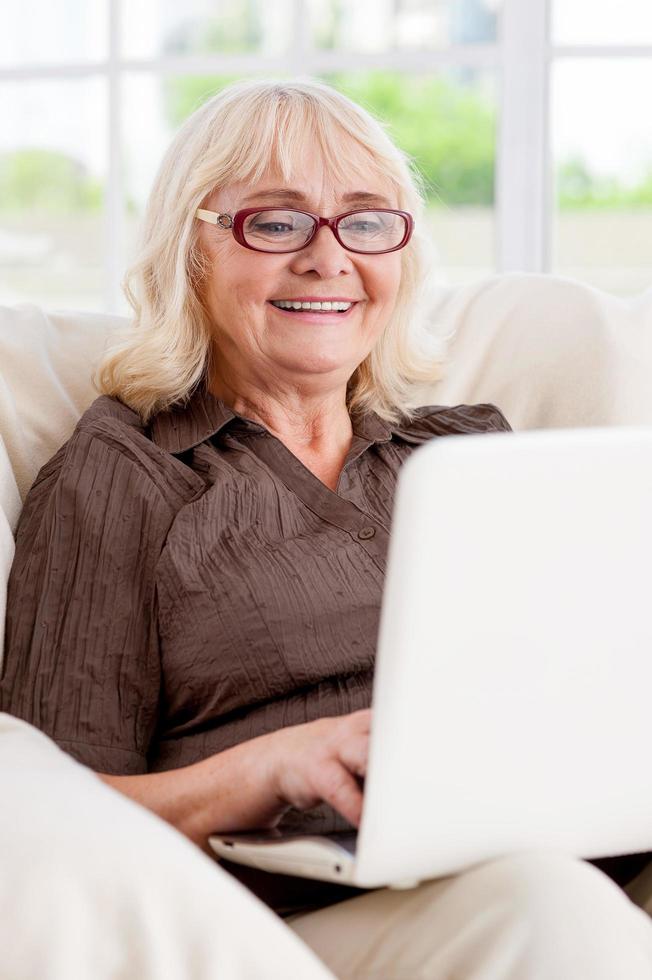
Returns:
point(81, 648)
point(443, 420)
point(495, 420)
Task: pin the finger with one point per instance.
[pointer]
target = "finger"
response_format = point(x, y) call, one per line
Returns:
point(354, 753)
point(361, 719)
point(339, 788)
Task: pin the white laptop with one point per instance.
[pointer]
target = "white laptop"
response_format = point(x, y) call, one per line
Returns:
point(511, 700)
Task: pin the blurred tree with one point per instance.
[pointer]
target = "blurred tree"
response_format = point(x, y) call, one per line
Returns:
point(574, 181)
point(579, 189)
point(46, 180)
point(446, 128)
point(642, 192)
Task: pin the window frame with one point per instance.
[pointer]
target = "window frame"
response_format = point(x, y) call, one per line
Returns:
point(523, 57)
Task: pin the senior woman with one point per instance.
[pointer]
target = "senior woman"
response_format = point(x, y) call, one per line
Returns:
point(194, 602)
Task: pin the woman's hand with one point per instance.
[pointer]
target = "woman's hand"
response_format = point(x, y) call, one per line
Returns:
point(322, 761)
point(251, 785)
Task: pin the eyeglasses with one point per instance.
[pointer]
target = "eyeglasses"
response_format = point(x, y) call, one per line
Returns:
point(288, 230)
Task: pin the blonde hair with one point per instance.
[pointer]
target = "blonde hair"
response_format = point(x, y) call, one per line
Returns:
point(236, 136)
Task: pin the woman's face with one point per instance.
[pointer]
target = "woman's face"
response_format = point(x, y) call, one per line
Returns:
point(266, 346)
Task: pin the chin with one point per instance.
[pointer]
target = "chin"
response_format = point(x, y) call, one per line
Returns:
point(316, 366)
point(311, 361)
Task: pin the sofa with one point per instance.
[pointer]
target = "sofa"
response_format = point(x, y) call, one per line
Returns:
point(550, 352)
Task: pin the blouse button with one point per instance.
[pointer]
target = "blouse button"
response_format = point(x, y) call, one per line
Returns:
point(366, 532)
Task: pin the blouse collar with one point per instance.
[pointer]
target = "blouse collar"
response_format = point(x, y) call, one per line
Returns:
point(184, 426)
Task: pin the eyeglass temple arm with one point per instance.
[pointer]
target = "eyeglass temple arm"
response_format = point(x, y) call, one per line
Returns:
point(214, 218)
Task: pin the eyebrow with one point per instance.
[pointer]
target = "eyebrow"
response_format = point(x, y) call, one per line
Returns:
point(361, 197)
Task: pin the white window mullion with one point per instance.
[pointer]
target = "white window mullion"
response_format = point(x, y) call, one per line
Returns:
point(523, 179)
point(114, 202)
point(299, 54)
point(302, 58)
point(602, 50)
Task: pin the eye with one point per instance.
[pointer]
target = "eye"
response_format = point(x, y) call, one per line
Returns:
point(363, 226)
point(272, 226)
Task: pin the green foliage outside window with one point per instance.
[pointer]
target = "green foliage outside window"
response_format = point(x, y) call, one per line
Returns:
point(579, 189)
point(446, 128)
point(46, 180)
point(183, 94)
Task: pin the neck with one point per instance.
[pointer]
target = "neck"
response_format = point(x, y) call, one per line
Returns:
point(316, 423)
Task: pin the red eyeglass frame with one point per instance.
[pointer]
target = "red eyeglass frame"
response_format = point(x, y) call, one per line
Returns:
point(236, 223)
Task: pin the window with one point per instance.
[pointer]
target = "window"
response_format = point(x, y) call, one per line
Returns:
point(528, 121)
point(601, 142)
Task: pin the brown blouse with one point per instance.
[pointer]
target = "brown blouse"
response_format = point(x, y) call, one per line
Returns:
point(181, 587)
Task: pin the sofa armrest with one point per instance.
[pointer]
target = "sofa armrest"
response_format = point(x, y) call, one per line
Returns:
point(93, 885)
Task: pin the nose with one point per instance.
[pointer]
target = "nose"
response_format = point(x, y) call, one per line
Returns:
point(323, 255)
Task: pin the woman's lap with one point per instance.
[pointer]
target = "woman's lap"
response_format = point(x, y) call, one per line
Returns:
point(529, 916)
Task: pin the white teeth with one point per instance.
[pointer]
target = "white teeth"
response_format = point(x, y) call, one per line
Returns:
point(294, 304)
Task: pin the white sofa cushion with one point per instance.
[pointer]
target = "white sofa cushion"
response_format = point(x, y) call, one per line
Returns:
point(10, 502)
point(46, 360)
point(549, 352)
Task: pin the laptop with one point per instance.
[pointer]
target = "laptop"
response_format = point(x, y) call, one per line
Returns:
point(511, 697)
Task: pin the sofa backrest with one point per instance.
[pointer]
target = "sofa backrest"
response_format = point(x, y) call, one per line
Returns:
point(46, 360)
point(550, 352)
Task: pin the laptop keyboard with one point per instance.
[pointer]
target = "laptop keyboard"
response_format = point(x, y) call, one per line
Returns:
point(347, 840)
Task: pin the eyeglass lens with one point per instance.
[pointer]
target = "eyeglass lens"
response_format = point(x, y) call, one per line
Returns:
point(278, 230)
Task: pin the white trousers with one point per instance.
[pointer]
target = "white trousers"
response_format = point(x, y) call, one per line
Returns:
point(532, 916)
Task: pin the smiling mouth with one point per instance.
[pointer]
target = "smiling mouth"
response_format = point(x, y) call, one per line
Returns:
point(327, 306)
